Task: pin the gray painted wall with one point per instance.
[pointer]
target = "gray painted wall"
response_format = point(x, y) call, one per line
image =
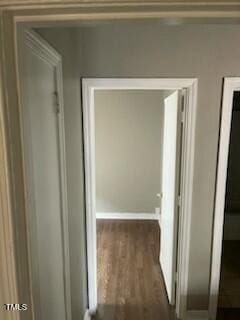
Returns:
point(206, 52)
point(148, 49)
point(128, 137)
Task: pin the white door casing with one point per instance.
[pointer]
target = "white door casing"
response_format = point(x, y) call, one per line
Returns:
point(170, 174)
point(44, 151)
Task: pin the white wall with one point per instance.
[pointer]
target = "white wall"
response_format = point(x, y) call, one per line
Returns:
point(128, 133)
point(149, 49)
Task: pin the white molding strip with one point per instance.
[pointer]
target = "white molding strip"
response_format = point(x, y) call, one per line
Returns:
point(127, 216)
point(87, 315)
point(42, 48)
point(197, 315)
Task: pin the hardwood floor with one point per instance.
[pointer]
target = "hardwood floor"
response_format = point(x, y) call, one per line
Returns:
point(229, 293)
point(130, 283)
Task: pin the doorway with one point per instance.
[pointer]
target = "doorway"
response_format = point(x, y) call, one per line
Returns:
point(176, 106)
point(226, 245)
point(133, 129)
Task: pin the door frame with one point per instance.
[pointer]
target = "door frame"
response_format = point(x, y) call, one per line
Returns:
point(88, 88)
point(231, 84)
point(41, 49)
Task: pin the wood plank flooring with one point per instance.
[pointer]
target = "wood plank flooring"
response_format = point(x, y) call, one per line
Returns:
point(229, 293)
point(130, 283)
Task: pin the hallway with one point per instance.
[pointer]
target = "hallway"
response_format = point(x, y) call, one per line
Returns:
point(130, 283)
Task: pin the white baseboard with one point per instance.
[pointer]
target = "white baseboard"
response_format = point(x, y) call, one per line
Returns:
point(87, 315)
point(127, 216)
point(197, 315)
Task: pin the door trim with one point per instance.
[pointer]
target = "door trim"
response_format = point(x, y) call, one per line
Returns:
point(230, 85)
point(40, 48)
point(88, 87)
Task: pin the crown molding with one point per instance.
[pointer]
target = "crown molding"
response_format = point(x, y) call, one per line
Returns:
point(208, 9)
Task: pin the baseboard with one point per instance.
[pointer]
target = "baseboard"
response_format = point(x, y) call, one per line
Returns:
point(127, 216)
point(87, 315)
point(197, 315)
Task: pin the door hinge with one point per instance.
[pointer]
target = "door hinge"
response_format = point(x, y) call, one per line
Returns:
point(56, 102)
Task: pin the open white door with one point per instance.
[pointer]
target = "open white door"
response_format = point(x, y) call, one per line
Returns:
point(169, 206)
point(46, 181)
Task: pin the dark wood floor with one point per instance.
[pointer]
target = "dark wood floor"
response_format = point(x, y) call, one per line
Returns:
point(130, 283)
point(229, 293)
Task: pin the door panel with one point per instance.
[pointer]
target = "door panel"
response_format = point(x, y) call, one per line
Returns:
point(170, 172)
point(43, 156)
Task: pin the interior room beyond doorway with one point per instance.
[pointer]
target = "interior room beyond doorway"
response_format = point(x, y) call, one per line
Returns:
point(133, 132)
